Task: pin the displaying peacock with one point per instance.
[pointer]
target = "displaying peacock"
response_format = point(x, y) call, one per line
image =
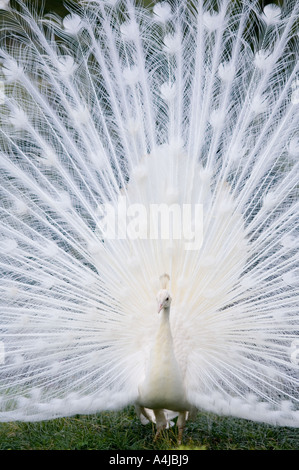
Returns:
point(149, 210)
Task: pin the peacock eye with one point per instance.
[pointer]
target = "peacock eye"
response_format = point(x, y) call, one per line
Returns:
point(167, 298)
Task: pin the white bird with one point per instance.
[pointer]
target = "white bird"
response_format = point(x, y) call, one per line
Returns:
point(163, 387)
point(136, 142)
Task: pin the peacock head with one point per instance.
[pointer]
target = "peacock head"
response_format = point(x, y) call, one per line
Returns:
point(163, 299)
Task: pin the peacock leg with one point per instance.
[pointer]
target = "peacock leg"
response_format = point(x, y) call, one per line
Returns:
point(142, 414)
point(161, 422)
point(181, 425)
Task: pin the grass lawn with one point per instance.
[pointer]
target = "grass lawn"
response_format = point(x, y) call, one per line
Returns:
point(123, 431)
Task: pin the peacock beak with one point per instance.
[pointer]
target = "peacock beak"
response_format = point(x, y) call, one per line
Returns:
point(160, 308)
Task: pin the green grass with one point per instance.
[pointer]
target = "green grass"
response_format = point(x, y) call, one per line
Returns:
point(123, 431)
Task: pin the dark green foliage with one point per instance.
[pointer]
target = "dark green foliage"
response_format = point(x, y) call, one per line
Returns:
point(123, 431)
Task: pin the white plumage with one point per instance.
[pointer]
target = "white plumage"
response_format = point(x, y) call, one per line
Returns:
point(163, 386)
point(109, 118)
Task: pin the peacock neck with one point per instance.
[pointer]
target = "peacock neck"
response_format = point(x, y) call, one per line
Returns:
point(164, 316)
point(164, 326)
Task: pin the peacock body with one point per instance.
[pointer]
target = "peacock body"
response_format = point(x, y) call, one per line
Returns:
point(113, 119)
